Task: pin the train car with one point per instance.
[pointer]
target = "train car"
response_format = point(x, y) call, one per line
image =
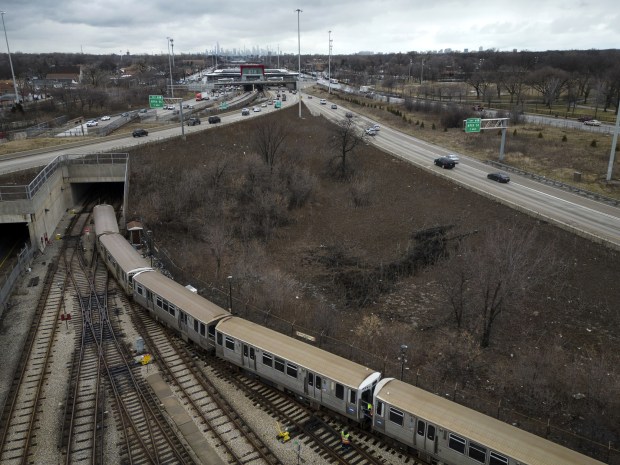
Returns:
point(444, 432)
point(314, 374)
point(193, 316)
point(123, 261)
point(105, 220)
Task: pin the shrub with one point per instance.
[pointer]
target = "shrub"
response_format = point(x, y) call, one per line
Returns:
point(593, 143)
point(564, 138)
point(540, 136)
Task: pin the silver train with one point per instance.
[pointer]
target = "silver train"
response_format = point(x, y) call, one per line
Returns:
point(440, 431)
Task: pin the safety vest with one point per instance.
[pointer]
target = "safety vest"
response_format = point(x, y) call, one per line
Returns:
point(344, 438)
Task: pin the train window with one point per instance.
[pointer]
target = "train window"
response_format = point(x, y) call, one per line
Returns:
point(230, 343)
point(211, 330)
point(196, 325)
point(245, 350)
point(291, 370)
point(202, 329)
point(396, 416)
point(182, 315)
point(430, 432)
point(477, 452)
point(267, 359)
point(318, 382)
point(149, 295)
point(496, 459)
point(279, 364)
point(310, 379)
point(159, 302)
point(421, 427)
point(219, 339)
point(339, 391)
point(456, 443)
point(140, 289)
point(252, 353)
point(352, 396)
point(379, 409)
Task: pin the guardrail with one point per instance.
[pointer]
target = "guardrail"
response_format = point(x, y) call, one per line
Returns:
point(552, 182)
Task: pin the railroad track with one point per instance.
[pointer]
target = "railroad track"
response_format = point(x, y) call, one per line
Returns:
point(18, 423)
point(225, 426)
point(103, 369)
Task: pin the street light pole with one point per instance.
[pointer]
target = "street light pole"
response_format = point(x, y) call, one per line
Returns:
point(230, 278)
point(329, 64)
point(168, 39)
point(10, 61)
point(298, 57)
point(403, 359)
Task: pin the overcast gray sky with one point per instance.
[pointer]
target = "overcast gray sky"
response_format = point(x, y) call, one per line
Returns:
point(109, 26)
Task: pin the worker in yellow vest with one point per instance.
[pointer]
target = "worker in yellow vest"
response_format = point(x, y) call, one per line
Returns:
point(345, 440)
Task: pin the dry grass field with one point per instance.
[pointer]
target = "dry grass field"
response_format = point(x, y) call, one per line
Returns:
point(345, 259)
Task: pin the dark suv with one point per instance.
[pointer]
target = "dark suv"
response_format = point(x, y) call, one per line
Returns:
point(214, 119)
point(140, 132)
point(445, 162)
point(193, 121)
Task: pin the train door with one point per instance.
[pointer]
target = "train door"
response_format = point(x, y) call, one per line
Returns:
point(426, 437)
point(249, 357)
point(313, 387)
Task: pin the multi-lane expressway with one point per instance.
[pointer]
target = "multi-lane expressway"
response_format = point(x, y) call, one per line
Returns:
point(583, 215)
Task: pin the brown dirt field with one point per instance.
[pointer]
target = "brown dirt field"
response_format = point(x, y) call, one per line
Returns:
point(559, 344)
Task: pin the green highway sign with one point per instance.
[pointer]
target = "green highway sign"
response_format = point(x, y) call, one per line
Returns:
point(156, 101)
point(472, 125)
point(223, 106)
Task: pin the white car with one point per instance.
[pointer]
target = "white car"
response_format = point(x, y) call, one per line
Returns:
point(323, 101)
point(91, 123)
point(256, 109)
point(376, 127)
point(592, 122)
point(264, 105)
point(105, 118)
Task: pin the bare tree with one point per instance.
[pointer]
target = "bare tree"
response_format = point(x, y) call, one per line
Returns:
point(219, 240)
point(269, 139)
point(344, 139)
point(496, 277)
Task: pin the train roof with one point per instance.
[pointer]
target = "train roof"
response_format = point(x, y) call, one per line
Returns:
point(191, 303)
point(524, 447)
point(125, 255)
point(105, 220)
point(319, 361)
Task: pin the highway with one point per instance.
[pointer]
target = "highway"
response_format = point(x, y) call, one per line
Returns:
point(585, 216)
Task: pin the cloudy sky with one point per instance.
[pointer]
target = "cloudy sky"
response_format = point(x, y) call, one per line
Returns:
point(137, 27)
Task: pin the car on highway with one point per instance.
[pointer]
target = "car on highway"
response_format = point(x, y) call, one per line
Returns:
point(371, 132)
point(256, 109)
point(143, 110)
point(140, 132)
point(334, 106)
point(91, 123)
point(445, 163)
point(592, 122)
point(245, 111)
point(264, 105)
point(323, 101)
point(453, 156)
point(375, 126)
point(499, 177)
point(125, 115)
point(193, 121)
point(348, 114)
point(214, 119)
point(105, 118)
point(310, 97)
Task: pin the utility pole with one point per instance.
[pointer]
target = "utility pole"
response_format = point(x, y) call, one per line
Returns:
point(329, 64)
point(10, 61)
point(298, 57)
